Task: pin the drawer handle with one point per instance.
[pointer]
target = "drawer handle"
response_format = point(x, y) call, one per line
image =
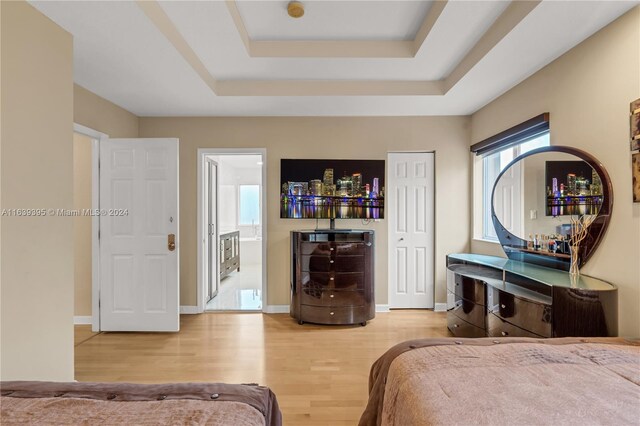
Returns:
point(331, 248)
point(331, 261)
point(331, 295)
point(331, 279)
point(455, 326)
point(503, 306)
point(504, 333)
point(330, 313)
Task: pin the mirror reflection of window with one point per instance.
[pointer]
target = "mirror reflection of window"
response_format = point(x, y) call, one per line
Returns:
point(493, 164)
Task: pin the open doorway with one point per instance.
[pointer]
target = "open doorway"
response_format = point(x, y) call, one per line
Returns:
point(85, 224)
point(232, 211)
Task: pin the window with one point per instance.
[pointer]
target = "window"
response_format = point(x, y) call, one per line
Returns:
point(249, 204)
point(492, 165)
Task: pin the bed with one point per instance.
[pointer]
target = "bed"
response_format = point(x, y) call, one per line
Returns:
point(125, 403)
point(506, 381)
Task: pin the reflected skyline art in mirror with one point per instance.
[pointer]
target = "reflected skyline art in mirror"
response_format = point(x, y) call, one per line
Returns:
point(332, 189)
point(573, 188)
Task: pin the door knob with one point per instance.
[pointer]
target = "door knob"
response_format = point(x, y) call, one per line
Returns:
point(171, 242)
point(401, 239)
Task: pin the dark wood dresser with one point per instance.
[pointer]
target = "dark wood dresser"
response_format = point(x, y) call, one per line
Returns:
point(332, 276)
point(492, 296)
point(229, 252)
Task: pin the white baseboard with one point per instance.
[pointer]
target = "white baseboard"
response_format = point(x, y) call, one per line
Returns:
point(189, 310)
point(80, 320)
point(276, 309)
point(382, 308)
point(440, 307)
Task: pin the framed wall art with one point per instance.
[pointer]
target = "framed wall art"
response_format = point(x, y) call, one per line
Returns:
point(635, 172)
point(634, 124)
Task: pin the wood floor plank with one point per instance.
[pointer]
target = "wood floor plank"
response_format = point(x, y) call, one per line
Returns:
point(319, 373)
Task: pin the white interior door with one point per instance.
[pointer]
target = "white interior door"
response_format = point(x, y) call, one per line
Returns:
point(410, 200)
point(213, 276)
point(139, 269)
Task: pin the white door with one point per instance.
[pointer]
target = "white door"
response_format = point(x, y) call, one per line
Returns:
point(213, 276)
point(410, 200)
point(139, 270)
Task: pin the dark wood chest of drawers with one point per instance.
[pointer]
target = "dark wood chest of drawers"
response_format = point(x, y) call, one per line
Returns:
point(332, 276)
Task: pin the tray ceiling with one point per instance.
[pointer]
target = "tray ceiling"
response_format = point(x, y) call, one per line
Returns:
point(342, 58)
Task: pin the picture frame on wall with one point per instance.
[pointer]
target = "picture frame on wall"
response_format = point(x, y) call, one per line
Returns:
point(634, 125)
point(635, 171)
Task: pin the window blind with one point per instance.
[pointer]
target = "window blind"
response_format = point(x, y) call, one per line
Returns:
point(513, 136)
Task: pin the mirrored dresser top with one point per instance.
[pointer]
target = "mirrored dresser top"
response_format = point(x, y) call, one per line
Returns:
point(546, 276)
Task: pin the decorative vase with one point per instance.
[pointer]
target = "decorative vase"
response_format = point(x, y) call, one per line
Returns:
point(574, 250)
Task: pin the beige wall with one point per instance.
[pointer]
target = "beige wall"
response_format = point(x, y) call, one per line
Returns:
point(99, 114)
point(82, 224)
point(587, 91)
point(37, 172)
point(321, 138)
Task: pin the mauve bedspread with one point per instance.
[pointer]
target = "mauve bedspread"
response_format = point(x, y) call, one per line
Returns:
point(512, 381)
point(45, 403)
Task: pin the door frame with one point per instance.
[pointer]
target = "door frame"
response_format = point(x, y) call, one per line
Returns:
point(389, 212)
point(204, 224)
point(201, 227)
point(96, 137)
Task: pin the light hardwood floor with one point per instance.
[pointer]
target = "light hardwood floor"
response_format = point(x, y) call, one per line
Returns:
point(318, 373)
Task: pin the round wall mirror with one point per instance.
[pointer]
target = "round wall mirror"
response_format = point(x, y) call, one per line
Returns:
point(537, 194)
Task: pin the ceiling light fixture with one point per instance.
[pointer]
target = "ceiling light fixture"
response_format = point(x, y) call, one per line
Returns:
point(295, 9)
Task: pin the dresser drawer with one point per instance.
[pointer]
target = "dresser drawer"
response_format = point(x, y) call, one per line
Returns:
point(469, 288)
point(316, 297)
point(468, 311)
point(318, 249)
point(316, 263)
point(350, 249)
point(313, 263)
point(461, 328)
point(526, 314)
point(335, 314)
point(338, 281)
point(317, 280)
point(329, 248)
point(497, 327)
point(349, 281)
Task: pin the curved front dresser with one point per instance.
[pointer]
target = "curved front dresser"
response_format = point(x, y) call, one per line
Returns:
point(497, 297)
point(332, 276)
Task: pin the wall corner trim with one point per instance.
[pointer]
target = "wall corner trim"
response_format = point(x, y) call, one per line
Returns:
point(189, 310)
point(276, 309)
point(440, 307)
point(382, 308)
point(82, 320)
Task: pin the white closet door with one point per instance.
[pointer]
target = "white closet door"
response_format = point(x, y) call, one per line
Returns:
point(410, 201)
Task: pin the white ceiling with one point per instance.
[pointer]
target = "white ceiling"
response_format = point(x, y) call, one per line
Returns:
point(334, 20)
point(458, 29)
point(125, 57)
